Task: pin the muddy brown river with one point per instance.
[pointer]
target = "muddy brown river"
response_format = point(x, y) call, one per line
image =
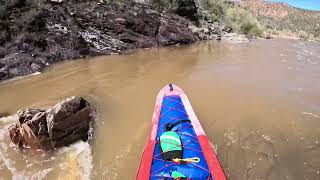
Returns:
point(258, 102)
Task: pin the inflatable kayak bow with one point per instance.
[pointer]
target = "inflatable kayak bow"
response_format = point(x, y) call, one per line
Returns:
point(177, 147)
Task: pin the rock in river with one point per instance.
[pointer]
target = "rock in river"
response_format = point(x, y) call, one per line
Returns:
point(61, 125)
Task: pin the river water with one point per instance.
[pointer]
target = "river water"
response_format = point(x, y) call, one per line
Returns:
point(258, 102)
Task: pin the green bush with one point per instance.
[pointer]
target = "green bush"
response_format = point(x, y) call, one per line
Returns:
point(303, 35)
point(316, 32)
point(242, 21)
point(217, 8)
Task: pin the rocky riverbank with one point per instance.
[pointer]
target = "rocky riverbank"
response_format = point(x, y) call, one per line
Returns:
point(35, 34)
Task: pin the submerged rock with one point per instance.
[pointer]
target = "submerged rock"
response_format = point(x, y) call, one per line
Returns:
point(61, 125)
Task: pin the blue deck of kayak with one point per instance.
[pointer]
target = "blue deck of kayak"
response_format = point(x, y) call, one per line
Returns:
point(173, 110)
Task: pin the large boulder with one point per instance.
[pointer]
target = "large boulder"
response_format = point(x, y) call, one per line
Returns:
point(174, 30)
point(25, 133)
point(69, 121)
point(188, 9)
point(61, 125)
point(193, 10)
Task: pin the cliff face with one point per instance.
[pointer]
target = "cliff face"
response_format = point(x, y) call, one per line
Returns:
point(282, 16)
point(37, 33)
point(34, 34)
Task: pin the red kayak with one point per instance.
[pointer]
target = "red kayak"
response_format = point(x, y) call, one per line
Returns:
point(177, 146)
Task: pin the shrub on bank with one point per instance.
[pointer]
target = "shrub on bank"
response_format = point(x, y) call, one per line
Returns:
point(217, 8)
point(303, 35)
point(242, 21)
point(316, 32)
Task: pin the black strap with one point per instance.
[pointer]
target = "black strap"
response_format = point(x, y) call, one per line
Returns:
point(170, 126)
point(171, 87)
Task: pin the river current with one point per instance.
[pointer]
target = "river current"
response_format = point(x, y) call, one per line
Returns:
point(258, 102)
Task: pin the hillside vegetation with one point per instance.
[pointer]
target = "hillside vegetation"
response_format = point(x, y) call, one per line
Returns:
point(285, 18)
point(220, 11)
point(256, 17)
point(241, 20)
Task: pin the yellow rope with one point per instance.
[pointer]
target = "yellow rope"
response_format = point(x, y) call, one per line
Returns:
point(187, 160)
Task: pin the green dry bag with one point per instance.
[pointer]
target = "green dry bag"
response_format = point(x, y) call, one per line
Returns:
point(170, 144)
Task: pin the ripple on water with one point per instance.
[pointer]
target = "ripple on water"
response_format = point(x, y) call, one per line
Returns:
point(256, 155)
point(119, 160)
point(311, 114)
